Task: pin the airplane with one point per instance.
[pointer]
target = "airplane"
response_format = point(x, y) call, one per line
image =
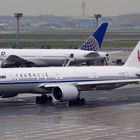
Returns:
point(2, 25)
point(58, 84)
point(89, 51)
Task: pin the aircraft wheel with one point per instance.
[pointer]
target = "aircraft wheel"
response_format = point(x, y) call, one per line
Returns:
point(83, 101)
point(38, 100)
point(77, 101)
point(70, 103)
point(44, 99)
point(50, 99)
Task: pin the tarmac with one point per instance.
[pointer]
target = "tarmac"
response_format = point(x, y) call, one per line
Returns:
point(107, 115)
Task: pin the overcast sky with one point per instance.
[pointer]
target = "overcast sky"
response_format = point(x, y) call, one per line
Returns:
point(69, 7)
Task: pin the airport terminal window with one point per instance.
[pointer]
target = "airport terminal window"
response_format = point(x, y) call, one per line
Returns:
point(2, 77)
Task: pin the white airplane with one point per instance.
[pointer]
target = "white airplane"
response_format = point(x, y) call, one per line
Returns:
point(89, 51)
point(65, 83)
point(3, 25)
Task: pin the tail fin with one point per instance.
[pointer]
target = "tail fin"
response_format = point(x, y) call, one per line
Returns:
point(94, 42)
point(134, 58)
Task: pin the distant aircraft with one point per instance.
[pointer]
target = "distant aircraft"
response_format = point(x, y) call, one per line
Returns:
point(2, 25)
point(65, 83)
point(89, 51)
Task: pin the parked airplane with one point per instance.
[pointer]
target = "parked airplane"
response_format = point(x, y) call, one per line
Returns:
point(2, 25)
point(65, 83)
point(56, 57)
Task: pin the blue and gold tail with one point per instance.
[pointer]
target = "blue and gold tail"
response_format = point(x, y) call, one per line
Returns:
point(94, 42)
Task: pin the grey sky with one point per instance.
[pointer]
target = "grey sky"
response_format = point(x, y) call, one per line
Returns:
point(69, 7)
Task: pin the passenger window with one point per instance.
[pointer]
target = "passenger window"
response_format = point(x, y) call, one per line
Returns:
point(38, 74)
point(29, 74)
point(21, 75)
point(2, 77)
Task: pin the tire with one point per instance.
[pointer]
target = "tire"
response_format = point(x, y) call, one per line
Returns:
point(44, 99)
point(50, 99)
point(83, 101)
point(38, 100)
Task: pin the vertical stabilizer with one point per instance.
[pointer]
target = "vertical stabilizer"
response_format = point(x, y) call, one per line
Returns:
point(94, 42)
point(134, 58)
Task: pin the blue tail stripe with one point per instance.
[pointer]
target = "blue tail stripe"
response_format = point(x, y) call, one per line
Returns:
point(94, 42)
point(100, 33)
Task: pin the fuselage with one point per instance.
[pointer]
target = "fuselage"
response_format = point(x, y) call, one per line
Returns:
point(29, 80)
point(50, 57)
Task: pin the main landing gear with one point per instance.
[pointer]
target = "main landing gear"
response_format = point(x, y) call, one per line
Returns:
point(78, 101)
point(44, 99)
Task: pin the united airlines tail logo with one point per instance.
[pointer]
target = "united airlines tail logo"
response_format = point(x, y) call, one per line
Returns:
point(91, 44)
point(138, 55)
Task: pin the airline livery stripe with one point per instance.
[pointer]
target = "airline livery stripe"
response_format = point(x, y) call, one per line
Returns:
point(61, 81)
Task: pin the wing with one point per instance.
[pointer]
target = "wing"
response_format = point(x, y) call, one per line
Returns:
point(93, 54)
point(66, 91)
point(16, 61)
point(101, 54)
point(111, 84)
point(106, 84)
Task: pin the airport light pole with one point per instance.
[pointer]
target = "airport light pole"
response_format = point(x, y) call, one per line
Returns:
point(18, 16)
point(97, 16)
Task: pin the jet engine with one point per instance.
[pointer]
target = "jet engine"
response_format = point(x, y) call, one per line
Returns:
point(65, 93)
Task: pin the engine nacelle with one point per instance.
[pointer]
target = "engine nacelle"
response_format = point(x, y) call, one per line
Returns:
point(65, 93)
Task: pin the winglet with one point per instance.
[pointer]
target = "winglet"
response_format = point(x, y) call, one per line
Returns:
point(94, 42)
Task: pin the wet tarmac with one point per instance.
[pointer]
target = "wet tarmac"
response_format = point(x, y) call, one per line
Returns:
point(107, 115)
